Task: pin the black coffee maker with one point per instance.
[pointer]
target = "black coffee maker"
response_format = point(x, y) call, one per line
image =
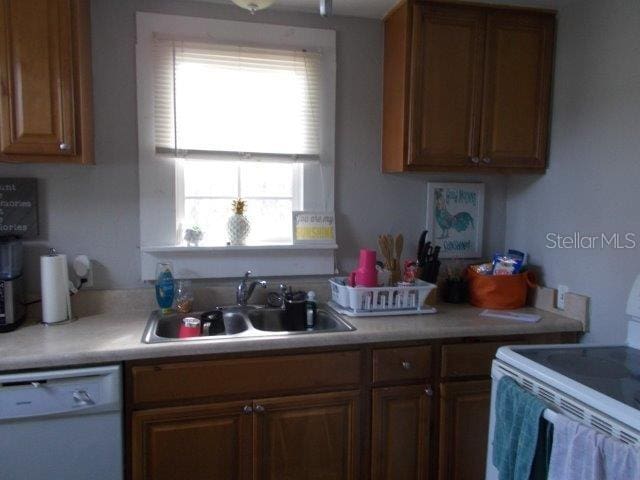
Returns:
point(12, 307)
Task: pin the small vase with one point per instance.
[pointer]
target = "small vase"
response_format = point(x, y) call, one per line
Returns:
point(238, 228)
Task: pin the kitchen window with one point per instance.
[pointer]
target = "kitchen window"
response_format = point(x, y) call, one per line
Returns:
point(271, 190)
point(233, 110)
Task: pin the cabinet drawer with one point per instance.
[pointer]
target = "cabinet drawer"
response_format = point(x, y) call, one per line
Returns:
point(405, 363)
point(244, 377)
point(470, 359)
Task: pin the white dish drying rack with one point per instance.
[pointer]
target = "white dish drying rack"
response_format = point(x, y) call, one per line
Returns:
point(380, 301)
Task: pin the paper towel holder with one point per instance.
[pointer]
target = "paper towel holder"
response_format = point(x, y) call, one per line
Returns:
point(55, 295)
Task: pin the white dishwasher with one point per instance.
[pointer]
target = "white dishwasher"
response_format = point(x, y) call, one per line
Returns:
point(61, 425)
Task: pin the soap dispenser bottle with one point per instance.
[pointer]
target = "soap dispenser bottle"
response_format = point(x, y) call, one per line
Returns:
point(312, 310)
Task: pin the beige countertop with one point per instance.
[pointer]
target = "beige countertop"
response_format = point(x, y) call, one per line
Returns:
point(108, 338)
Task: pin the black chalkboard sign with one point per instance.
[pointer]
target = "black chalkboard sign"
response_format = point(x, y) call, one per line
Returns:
point(19, 207)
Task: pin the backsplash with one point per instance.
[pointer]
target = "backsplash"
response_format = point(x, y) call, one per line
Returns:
point(94, 302)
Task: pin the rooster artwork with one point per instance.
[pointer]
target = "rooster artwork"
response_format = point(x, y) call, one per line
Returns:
point(455, 218)
point(460, 222)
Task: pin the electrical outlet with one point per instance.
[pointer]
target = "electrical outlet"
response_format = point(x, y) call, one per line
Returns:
point(562, 292)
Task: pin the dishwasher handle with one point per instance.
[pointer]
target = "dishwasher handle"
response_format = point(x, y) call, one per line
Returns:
point(83, 398)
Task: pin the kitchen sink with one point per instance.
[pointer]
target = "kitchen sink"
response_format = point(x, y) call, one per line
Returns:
point(246, 322)
point(169, 326)
point(273, 320)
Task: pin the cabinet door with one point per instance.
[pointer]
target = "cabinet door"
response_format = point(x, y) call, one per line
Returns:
point(36, 78)
point(196, 442)
point(464, 427)
point(446, 88)
point(401, 418)
point(515, 114)
point(307, 437)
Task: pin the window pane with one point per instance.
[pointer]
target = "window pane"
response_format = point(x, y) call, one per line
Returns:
point(266, 179)
point(211, 216)
point(210, 178)
point(270, 221)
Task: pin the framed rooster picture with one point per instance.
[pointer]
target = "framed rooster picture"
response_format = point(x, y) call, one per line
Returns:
point(455, 213)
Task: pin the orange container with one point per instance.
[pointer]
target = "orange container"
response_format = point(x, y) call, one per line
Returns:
point(501, 292)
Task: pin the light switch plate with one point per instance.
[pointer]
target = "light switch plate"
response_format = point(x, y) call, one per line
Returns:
point(562, 291)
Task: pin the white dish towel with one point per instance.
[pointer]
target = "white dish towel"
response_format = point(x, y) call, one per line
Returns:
point(581, 453)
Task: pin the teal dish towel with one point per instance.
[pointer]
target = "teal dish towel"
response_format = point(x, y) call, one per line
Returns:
point(515, 440)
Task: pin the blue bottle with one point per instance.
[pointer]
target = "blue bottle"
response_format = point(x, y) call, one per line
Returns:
point(165, 289)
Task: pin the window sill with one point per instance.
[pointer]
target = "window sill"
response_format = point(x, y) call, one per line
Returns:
point(233, 261)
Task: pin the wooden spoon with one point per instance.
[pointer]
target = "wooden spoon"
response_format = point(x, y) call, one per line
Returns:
point(399, 247)
point(384, 249)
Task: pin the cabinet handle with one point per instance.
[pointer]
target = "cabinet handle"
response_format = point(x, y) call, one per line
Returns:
point(475, 160)
point(259, 408)
point(247, 410)
point(429, 391)
point(407, 365)
point(65, 146)
point(486, 160)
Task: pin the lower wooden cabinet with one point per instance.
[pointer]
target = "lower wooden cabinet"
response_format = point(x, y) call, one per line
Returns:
point(287, 438)
point(300, 416)
point(464, 427)
point(307, 437)
point(196, 442)
point(400, 437)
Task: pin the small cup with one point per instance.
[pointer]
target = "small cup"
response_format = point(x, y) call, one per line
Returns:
point(190, 327)
point(213, 322)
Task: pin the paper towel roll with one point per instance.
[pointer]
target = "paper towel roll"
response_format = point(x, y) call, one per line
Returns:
point(54, 274)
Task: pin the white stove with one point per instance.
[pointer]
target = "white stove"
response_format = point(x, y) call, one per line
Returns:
point(596, 385)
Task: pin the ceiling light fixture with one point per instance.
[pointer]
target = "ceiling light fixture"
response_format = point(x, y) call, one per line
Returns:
point(326, 7)
point(253, 5)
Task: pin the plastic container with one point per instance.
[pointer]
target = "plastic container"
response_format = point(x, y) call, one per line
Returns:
point(165, 286)
point(184, 296)
point(501, 292)
point(380, 299)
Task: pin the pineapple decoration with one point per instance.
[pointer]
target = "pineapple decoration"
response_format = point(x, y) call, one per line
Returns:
point(238, 226)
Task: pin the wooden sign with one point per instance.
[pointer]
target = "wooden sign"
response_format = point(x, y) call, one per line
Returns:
point(19, 207)
point(314, 227)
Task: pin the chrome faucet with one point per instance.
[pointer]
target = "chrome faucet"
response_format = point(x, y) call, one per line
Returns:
point(246, 288)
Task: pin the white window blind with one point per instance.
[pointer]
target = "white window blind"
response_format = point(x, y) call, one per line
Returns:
point(216, 100)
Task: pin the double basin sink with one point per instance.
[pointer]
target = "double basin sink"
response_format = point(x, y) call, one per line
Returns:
point(251, 321)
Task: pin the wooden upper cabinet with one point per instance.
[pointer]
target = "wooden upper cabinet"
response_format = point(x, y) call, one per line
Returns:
point(447, 61)
point(307, 437)
point(517, 89)
point(465, 87)
point(45, 81)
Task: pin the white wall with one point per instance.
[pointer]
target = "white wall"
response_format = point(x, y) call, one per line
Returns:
point(94, 209)
point(592, 182)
